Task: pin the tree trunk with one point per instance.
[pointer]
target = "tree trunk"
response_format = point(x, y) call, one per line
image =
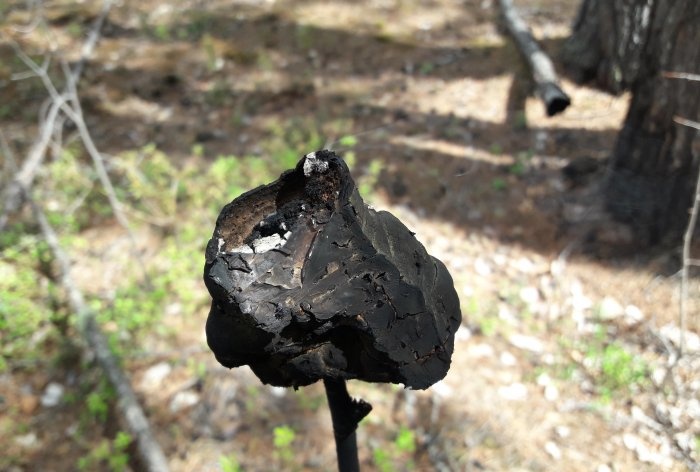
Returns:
point(630, 44)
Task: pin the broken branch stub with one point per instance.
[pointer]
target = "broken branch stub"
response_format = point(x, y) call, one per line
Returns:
point(309, 283)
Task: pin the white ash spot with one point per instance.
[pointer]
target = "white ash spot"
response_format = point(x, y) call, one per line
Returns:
point(313, 164)
point(243, 249)
point(267, 243)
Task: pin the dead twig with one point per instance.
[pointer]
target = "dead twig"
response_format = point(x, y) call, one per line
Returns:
point(682, 75)
point(75, 113)
point(68, 102)
point(687, 239)
point(36, 5)
point(543, 73)
point(687, 122)
point(91, 41)
point(50, 120)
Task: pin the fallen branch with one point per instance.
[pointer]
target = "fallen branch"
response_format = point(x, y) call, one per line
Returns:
point(149, 452)
point(543, 73)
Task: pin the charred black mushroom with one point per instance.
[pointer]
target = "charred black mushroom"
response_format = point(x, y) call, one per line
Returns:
point(309, 284)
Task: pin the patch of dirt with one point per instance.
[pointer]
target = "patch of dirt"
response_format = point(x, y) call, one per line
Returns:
point(424, 87)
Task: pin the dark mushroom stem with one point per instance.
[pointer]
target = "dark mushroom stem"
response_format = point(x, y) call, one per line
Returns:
point(346, 413)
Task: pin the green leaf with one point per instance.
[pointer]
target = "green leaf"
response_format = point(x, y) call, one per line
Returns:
point(406, 440)
point(283, 436)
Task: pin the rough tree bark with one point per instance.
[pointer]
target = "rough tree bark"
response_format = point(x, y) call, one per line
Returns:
point(629, 45)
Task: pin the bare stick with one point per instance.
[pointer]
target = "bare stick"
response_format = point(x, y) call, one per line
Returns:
point(75, 113)
point(687, 122)
point(25, 177)
point(682, 75)
point(91, 41)
point(69, 104)
point(543, 73)
point(687, 261)
point(149, 451)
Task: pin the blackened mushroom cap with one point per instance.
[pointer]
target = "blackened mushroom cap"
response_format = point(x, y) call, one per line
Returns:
point(309, 283)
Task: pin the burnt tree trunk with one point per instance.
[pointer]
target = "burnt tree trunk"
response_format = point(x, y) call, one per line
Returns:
point(629, 45)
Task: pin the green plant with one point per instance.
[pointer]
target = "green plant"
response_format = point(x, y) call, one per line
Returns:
point(615, 368)
point(399, 452)
point(283, 437)
point(72, 204)
point(289, 141)
point(230, 464)
point(161, 32)
point(22, 312)
point(348, 141)
point(405, 441)
point(518, 168)
point(97, 402)
point(252, 395)
point(426, 68)
point(382, 460)
point(496, 149)
point(75, 29)
point(147, 181)
point(521, 162)
point(620, 368)
point(499, 184)
point(304, 36)
point(367, 182)
point(111, 455)
point(198, 368)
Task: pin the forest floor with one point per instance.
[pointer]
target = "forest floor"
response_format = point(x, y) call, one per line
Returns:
point(569, 327)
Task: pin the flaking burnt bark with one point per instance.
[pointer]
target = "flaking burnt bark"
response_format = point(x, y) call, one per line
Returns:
point(309, 283)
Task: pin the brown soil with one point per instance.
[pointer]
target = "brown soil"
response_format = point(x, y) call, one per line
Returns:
point(430, 91)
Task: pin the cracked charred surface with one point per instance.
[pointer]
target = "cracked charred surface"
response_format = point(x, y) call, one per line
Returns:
point(309, 283)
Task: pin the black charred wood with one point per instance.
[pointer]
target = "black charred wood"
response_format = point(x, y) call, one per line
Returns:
point(308, 283)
